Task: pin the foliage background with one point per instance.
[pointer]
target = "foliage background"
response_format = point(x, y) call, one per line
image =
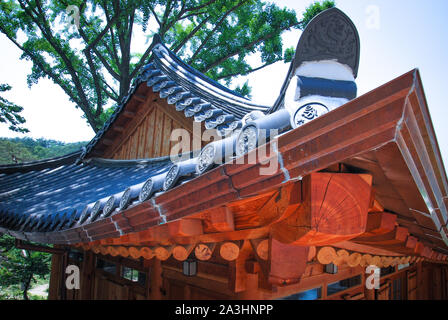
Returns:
point(28, 149)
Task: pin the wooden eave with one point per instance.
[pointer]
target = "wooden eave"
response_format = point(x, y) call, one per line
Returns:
point(386, 133)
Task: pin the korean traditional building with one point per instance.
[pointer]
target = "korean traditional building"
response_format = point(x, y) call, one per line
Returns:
point(295, 200)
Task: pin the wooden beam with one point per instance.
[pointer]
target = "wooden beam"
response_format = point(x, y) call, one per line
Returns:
point(380, 223)
point(353, 246)
point(185, 228)
point(419, 248)
point(311, 253)
point(107, 142)
point(247, 234)
point(334, 209)
point(411, 242)
point(219, 220)
point(138, 97)
point(112, 251)
point(128, 114)
point(20, 245)
point(395, 237)
point(260, 247)
point(275, 208)
point(118, 129)
point(354, 259)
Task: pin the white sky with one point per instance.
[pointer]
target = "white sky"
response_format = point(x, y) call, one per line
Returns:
point(396, 37)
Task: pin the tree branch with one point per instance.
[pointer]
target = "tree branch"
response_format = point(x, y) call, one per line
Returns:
point(247, 72)
point(190, 35)
point(155, 16)
point(247, 46)
point(200, 6)
point(218, 25)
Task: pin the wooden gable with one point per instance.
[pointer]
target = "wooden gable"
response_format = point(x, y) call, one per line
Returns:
point(143, 130)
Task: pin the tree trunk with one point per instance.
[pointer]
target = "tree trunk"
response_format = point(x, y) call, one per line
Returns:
point(26, 287)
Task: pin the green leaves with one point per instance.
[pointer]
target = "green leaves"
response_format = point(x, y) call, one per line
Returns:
point(28, 149)
point(10, 112)
point(20, 266)
point(313, 10)
point(95, 64)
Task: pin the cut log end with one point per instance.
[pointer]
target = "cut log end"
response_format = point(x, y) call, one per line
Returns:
point(134, 253)
point(366, 260)
point(203, 252)
point(354, 260)
point(229, 251)
point(112, 251)
point(163, 253)
point(146, 253)
point(181, 253)
point(123, 251)
point(326, 255)
point(263, 249)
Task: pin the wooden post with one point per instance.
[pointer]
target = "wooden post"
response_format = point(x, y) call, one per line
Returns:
point(287, 263)
point(88, 275)
point(156, 279)
point(56, 277)
point(237, 269)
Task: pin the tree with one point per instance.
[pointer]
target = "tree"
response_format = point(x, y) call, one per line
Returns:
point(9, 112)
point(19, 150)
point(95, 64)
point(21, 266)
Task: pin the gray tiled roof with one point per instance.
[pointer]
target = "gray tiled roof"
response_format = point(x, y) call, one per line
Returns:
point(41, 198)
point(189, 91)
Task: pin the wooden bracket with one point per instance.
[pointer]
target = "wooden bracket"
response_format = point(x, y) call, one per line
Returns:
point(334, 209)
